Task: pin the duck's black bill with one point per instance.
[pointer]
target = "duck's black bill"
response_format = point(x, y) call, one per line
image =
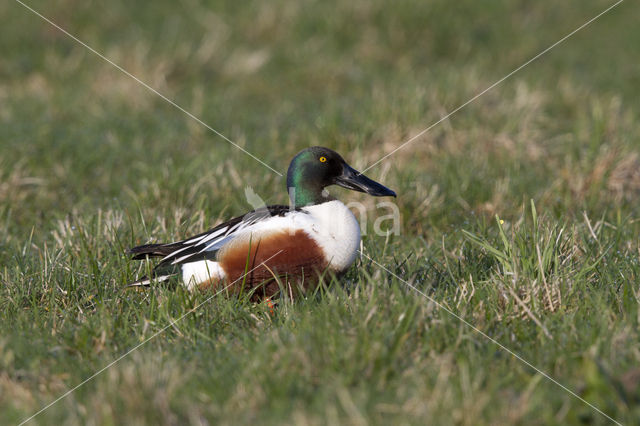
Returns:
point(352, 179)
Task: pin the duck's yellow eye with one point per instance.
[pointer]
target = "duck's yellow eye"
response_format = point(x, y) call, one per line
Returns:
point(323, 159)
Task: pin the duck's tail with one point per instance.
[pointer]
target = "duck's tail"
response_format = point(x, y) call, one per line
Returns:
point(146, 281)
point(150, 250)
point(160, 273)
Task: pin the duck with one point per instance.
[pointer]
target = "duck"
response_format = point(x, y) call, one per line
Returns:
point(301, 242)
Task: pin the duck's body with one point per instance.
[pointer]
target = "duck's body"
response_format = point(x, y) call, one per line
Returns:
point(277, 241)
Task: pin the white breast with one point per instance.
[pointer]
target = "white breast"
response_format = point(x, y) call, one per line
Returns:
point(336, 230)
point(330, 224)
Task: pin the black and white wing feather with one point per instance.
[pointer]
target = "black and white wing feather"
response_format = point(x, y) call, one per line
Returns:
point(204, 246)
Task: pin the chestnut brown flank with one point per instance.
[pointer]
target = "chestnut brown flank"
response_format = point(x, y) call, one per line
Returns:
point(299, 257)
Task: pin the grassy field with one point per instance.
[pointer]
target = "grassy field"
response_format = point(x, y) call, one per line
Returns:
point(520, 214)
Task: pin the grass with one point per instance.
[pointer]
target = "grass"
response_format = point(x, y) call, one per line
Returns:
point(520, 213)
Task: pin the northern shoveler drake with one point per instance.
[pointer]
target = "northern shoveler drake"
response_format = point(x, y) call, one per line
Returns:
point(315, 234)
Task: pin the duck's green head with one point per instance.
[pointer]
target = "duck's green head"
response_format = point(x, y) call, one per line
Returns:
point(315, 168)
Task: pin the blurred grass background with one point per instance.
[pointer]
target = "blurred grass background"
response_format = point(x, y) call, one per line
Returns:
point(92, 163)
